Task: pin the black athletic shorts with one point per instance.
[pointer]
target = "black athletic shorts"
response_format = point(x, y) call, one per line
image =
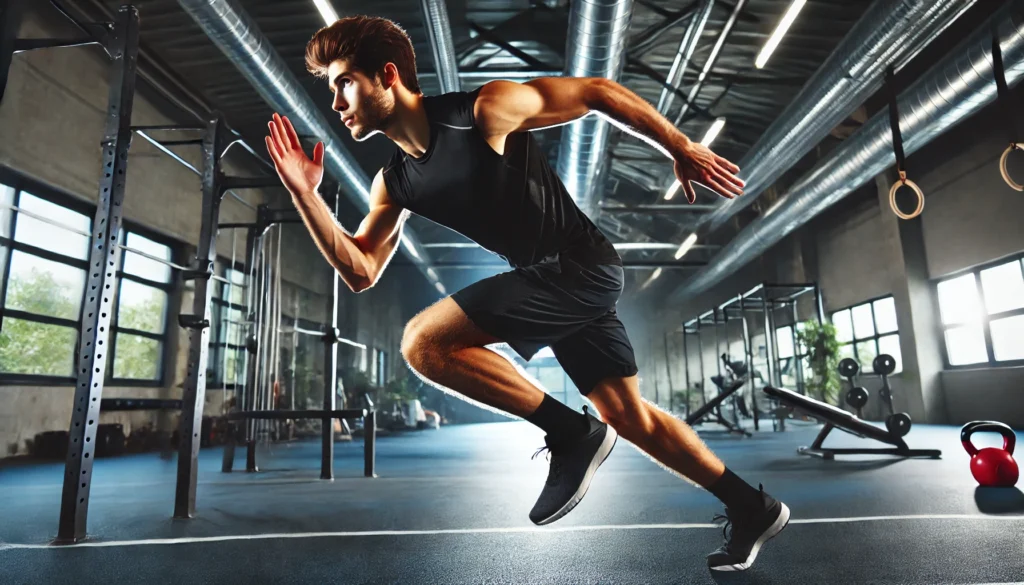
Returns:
point(557, 303)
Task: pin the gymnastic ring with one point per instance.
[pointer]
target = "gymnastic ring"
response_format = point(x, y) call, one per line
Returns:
point(892, 197)
point(1002, 166)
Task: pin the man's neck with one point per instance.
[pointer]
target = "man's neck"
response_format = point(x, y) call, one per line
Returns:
point(411, 128)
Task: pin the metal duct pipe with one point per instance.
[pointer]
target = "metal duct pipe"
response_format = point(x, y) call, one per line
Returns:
point(439, 31)
point(687, 46)
point(237, 36)
point(594, 47)
point(952, 90)
point(891, 32)
point(712, 58)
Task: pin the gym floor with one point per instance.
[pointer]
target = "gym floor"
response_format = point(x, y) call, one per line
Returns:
point(451, 505)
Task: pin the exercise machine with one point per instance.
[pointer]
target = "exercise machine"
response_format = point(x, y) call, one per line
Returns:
point(727, 387)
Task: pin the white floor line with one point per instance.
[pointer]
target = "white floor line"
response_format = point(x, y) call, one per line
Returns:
point(508, 530)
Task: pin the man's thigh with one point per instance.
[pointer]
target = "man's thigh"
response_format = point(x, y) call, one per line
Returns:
point(597, 351)
point(444, 324)
point(528, 308)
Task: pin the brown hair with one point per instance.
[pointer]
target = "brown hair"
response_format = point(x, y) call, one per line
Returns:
point(369, 43)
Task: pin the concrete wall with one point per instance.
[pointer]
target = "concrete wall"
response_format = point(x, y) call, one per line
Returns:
point(52, 120)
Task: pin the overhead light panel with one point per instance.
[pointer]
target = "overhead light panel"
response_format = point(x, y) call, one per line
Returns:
point(713, 131)
point(672, 190)
point(686, 245)
point(654, 276)
point(326, 11)
point(780, 31)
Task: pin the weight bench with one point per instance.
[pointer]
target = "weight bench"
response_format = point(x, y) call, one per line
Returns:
point(837, 418)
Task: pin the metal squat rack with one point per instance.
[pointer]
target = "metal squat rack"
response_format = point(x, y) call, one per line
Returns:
point(120, 40)
point(765, 302)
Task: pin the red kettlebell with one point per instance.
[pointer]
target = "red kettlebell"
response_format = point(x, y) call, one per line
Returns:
point(991, 466)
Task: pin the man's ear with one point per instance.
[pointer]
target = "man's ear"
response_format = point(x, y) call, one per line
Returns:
point(389, 77)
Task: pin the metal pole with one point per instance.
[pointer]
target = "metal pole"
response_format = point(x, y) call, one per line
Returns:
point(732, 399)
point(668, 373)
point(295, 349)
point(797, 362)
point(768, 338)
point(718, 344)
point(818, 307)
point(748, 357)
point(198, 324)
point(103, 257)
point(252, 343)
point(330, 340)
point(686, 372)
point(700, 352)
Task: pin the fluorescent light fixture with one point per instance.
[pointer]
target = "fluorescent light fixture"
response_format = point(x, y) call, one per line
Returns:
point(440, 288)
point(654, 276)
point(780, 31)
point(713, 131)
point(432, 273)
point(685, 247)
point(672, 190)
point(409, 247)
point(326, 11)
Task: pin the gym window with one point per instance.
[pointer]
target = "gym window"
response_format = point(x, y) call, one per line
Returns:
point(791, 353)
point(378, 371)
point(226, 360)
point(44, 275)
point(140, 315)
point(983, 315)
point(866, 330)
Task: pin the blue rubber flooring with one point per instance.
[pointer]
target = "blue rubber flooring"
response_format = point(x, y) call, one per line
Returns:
point(451, 506)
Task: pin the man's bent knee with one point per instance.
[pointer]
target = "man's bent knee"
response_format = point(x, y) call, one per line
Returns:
point(621, 405)
point(419, 351)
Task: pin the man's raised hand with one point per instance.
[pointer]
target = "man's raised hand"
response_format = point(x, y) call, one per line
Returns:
point(300, 174)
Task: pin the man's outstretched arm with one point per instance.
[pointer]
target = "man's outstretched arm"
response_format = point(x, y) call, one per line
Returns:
point(359, 258)
point(504, 107)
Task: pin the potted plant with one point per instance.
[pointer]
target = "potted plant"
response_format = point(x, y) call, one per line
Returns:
point(822, 347)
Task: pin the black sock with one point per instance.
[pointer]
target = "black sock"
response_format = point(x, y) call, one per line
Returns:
point(735, 493)
point(558, 420)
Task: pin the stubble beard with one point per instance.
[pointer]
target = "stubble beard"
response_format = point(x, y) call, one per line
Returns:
point(377, 116)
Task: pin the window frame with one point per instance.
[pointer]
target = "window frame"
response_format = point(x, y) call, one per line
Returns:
point(986, 317)
point(21, 184)
point(874, 324)
point(170, 288)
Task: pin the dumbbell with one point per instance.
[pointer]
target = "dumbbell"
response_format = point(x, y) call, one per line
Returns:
point(898, 423)
point(884, 365)
point(856, 396)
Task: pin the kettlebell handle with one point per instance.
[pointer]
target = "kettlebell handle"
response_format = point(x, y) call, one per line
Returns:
point(1009, 438)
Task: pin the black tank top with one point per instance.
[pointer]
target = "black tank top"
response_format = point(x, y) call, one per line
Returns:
point(513, 204)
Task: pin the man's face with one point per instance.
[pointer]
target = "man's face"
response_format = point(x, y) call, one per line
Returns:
point(364, 105)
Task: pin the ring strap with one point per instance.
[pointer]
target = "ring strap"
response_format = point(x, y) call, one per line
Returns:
point(894, 121)
point(1003, 91)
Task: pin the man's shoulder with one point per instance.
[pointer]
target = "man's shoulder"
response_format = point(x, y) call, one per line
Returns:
point(452, 108)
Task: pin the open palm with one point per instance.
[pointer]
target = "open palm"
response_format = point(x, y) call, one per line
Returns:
point(698, 163)
point(300, 174)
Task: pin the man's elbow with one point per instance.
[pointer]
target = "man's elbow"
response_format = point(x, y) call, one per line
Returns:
point(597, 91)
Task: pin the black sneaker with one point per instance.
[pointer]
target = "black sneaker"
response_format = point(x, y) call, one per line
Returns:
point(573, 464)
point(745, 533)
